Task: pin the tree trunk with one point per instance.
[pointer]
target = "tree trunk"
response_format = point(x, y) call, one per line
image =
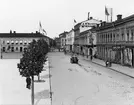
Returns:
point(32, 91)
point(39, 77)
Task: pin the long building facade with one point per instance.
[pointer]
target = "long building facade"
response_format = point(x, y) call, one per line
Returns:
point(16, 42)
point(62, 38)
point(115, 41)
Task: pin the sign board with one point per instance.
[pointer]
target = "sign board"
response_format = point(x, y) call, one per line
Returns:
point(118, 47)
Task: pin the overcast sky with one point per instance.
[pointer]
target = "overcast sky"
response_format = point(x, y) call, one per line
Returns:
point(56, 16)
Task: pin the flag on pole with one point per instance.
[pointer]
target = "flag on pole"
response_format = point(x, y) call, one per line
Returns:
point(40, 25)
point(106, 11)
point(74, 21)
point(44, 31)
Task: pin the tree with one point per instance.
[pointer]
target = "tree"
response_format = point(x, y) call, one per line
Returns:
point(32, 61)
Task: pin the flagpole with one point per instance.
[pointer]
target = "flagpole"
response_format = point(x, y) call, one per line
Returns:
point(111, 14)
point(107, 18)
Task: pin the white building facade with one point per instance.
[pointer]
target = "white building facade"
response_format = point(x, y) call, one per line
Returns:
point(17, 42)
point(70, 41)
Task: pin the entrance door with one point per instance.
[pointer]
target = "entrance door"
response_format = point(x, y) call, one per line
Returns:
point(12, 49)
point(20, 49)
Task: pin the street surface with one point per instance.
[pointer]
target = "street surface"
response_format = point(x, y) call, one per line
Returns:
point(87, 83)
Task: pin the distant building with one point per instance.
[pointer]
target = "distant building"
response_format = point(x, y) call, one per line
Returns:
point(17, 42)
point(57, 40)
point(76, 37)
point(70, 40)
point(62, 37)
point(83, 36)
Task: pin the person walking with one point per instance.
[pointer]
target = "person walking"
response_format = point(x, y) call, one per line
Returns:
point(28, 81)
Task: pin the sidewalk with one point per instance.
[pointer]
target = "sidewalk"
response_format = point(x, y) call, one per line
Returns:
point(116, 67)
point(42, 89)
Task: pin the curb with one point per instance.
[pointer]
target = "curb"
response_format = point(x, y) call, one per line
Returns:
point(114, 70)
point(109, 68)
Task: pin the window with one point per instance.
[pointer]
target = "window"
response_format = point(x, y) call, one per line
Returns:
point(3, 49)
point(117, 37)
point(20, 42)
point(111, 37)
point(127, 35)
point(3, 42)
point(16, 42)
point(29, 42)
point(122, 36)
point(12, 49)
point(7, 42)
point(25, 42)
point(12, 42)
point(132, 35)
point(20, 49)
point(16, 48)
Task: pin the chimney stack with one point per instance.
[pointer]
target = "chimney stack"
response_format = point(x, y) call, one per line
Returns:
point(119, 17)
point(91, 17)
point(10, 31)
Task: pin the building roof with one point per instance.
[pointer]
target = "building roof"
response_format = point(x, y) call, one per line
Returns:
point(20, 35)
point(63, 34)
point(116, 22)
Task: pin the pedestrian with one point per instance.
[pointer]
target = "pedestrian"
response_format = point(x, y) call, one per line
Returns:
point(28, 81)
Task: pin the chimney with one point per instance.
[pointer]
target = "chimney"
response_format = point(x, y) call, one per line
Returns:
point(10, 31)
point(104, 23)
point(119, 17)
point(91, 17)
point(97, 25)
